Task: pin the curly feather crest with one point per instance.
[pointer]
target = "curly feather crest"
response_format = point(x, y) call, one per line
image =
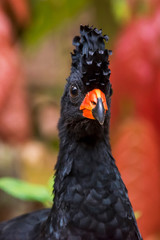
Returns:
point(91, 56)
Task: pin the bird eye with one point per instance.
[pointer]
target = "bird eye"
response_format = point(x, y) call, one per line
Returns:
point(74, 91)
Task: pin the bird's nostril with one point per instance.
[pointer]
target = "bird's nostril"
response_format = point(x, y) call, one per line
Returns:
point(93, 103)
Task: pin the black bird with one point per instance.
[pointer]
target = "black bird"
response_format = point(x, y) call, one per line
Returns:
point(90, 198)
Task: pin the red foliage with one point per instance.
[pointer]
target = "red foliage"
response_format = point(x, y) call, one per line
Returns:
point(135, 77)
point(20, 10)
point(137, 155)
point(14, 115)
point(136, 69)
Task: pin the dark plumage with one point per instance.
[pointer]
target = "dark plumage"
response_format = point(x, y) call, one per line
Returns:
point(91, 58)
point(91, 200)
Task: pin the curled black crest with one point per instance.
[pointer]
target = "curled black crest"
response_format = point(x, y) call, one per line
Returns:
point(91, 56)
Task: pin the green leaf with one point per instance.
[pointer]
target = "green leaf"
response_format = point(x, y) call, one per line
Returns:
point(47, 15)
point(121, 10)
point(25, 191)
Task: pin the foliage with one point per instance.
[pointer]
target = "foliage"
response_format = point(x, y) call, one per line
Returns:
point(135, 79)
point(48, 15)
point(136, 150)
point(27, 191)
point(121, 10)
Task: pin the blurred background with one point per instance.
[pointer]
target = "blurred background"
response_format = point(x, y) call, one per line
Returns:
point(35, 45)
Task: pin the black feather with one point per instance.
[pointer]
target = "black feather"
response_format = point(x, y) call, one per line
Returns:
point(91, 57)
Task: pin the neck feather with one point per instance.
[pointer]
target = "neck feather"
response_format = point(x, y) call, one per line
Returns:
point(83, 167)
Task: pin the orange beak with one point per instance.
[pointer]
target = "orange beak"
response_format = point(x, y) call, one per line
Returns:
point(94, 105)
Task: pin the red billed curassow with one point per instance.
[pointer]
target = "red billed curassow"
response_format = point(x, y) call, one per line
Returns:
point(90, 198)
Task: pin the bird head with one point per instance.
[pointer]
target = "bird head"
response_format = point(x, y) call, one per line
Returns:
point(86, 100)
